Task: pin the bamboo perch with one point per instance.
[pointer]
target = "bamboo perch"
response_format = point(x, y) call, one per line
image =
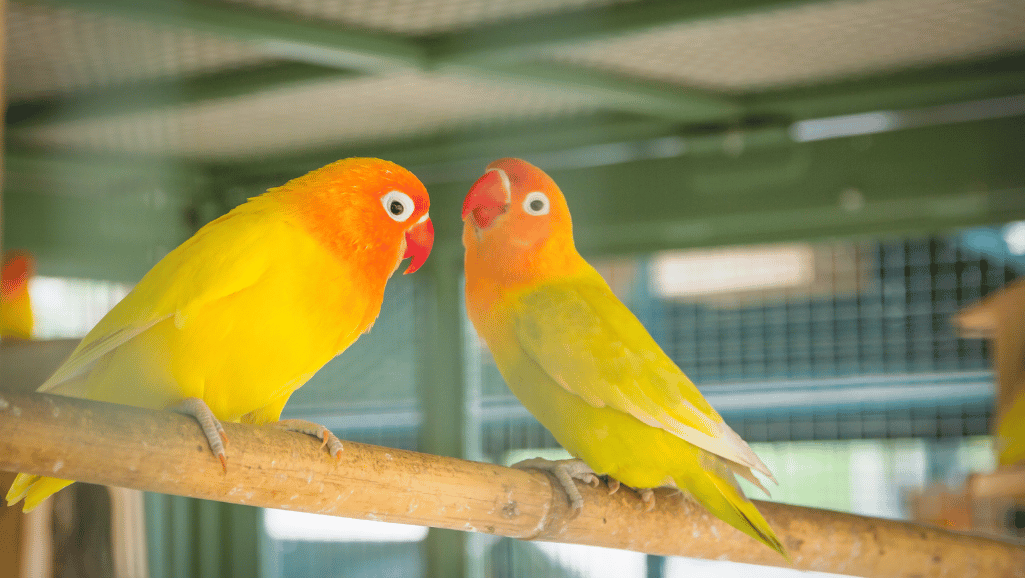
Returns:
point(165, 452)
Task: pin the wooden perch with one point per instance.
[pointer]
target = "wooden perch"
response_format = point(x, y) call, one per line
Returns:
point(165, 452)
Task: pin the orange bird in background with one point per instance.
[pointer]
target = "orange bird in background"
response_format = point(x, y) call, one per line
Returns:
point(16, 319)
point(230, 323)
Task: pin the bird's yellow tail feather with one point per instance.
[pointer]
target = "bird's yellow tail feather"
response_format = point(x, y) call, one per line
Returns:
point(724, 499)
point(34, 489)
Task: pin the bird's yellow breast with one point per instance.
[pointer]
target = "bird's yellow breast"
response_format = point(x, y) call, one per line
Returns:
point(253, 347)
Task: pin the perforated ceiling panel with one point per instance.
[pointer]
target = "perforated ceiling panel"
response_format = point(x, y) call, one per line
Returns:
point(420, 17)
point(812, 43)
point(63, 52)
point(53, 51)
point(310, 116)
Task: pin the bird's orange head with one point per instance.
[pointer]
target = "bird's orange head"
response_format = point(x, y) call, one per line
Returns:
point(365, 205)
point(516, 219)
point(17, 268)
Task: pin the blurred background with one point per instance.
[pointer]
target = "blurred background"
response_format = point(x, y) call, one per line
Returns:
point(803, 201)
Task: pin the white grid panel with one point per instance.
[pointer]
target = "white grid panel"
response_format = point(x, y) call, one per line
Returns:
point(812, 43)
point(310, 116)
point(58, 51)
point(421, 17)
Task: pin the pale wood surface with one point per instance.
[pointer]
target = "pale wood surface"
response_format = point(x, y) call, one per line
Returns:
point(165, 452)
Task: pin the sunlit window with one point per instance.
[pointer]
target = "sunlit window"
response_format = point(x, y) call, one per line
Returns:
point(69, 308)
point(301, 526)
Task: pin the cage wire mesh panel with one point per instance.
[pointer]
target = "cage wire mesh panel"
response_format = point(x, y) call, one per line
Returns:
point(59, 51)
point(838, 361)
point(422, 17)
point(333, 113)
point(809, 43)
point(367, 395)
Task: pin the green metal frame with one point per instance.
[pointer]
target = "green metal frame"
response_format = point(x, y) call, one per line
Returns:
point(529, 37)
point(504, 52)
point(199, 538)
point(741, 187)
point(148, 96)
point(441, 388)
point(702, 169)
point(274, 33)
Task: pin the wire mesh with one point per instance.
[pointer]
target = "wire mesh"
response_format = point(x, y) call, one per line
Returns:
point(59, 51)
point(418, 17)
point(873, 320)
point(805, 44)
point(334, 112)
point(366, 395)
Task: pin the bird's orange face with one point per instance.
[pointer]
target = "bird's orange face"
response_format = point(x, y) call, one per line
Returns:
point(513, 210)
point(405, 204)
point(362, 203)
point(17, 268)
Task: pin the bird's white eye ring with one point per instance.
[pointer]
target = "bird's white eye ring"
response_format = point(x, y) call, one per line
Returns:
point(536, 204)
point(398, 205)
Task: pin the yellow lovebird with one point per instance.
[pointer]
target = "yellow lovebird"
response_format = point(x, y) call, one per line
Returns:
point(583, 364)
point(238, 317)
point(16, 320)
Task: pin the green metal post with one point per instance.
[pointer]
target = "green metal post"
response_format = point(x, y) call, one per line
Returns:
point(441, 390)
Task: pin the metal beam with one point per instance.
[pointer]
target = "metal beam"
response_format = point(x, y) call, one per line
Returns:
point(460, 146)
point(275, 33)
point(80, 236)
point(441, 390)
point(85, 174)
point(712, 190)
point(285, 37)
point(917, 180)
point(468, 54)
point(609, 90)
point(142, 97)
point(934, 85)
point(753, 185)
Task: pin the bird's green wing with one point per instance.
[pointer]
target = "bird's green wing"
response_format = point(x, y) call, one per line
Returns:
point(589, 343)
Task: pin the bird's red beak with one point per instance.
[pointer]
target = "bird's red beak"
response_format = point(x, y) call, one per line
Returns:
point(419, 240)
point(488, 198)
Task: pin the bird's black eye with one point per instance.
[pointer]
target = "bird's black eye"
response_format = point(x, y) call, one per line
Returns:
point(536, 204)
point(398, 204)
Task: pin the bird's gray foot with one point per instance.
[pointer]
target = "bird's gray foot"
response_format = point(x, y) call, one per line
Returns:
point(647, 494)
point(211, 426)
point(565, 471)
point(334, 445)
point(613, 484)
point(648, 497)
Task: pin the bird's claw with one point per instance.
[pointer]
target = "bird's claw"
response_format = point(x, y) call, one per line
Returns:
point(613, 484)
point(565, 471)
point(648, 497)
point(647, 494)
point(211, 426)
point(326, 437)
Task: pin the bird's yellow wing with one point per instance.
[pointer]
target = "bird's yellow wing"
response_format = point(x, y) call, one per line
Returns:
point(589, 343)
point(216, 262)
